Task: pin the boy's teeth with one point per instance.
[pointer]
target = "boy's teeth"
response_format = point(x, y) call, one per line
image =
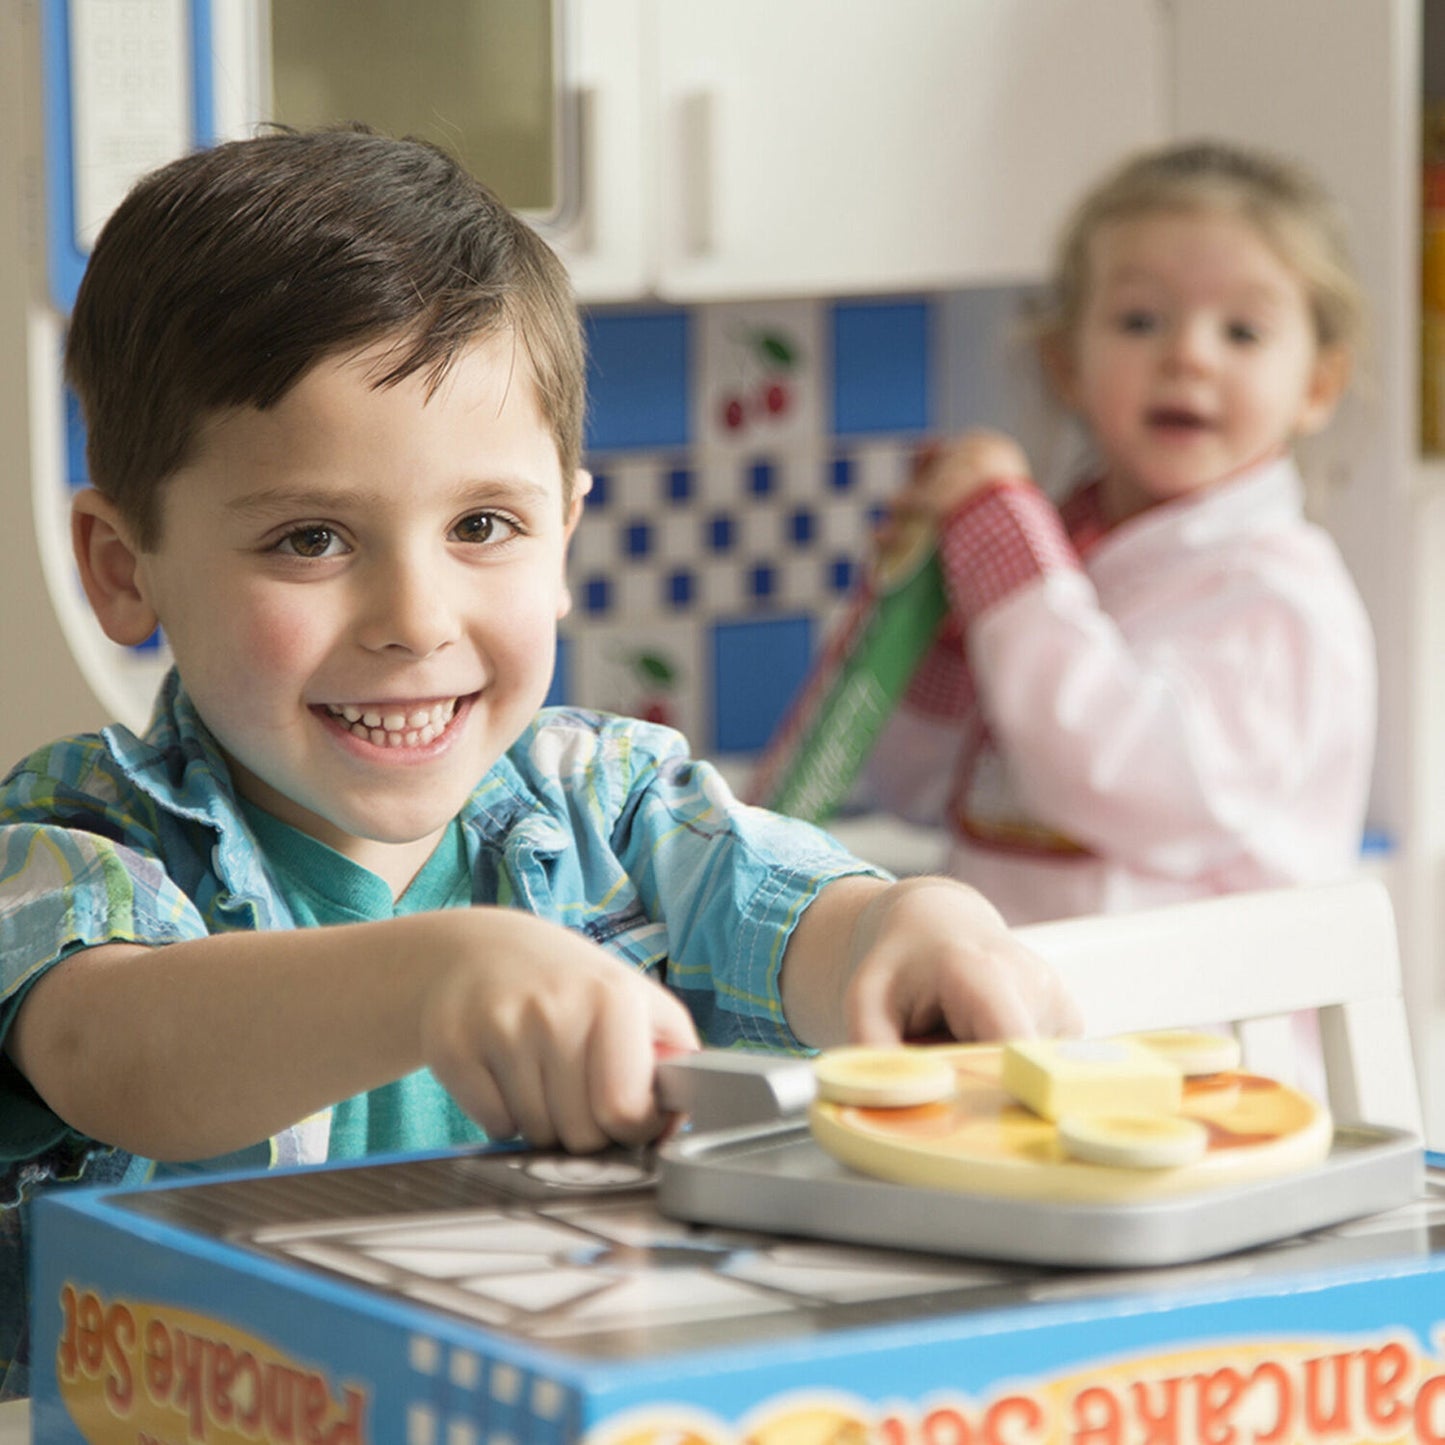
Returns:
point(408, 728)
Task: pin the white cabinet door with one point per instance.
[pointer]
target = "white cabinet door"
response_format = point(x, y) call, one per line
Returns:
point(846, 146)
point(605, 234)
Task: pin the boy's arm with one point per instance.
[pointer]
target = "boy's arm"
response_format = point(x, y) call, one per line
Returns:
point(873, 962)
point(201, 1047)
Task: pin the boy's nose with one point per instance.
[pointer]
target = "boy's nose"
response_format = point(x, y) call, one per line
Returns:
point(404, 606)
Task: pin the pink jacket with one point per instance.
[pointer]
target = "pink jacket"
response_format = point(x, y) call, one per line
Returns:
point(1188, 710)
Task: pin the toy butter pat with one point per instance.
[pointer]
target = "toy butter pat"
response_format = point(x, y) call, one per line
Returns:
point(1054, 1077)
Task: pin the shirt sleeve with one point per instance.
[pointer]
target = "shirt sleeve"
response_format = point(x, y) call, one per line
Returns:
point(63, 890)
point(730, 883)
point(1165, 754)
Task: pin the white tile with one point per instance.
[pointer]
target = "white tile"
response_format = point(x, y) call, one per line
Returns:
point(679, 536)
point(424, 1354)
point(722, 585)
point(505, 1384)
point(881, 469)
point(593, 543)
point(760, 534)
point(611, 671)
point(465, 1369)
point(742, 351)
point(721, 481)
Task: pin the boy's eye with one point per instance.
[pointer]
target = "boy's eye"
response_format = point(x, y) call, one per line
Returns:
point(482, 527)
point(310, 542)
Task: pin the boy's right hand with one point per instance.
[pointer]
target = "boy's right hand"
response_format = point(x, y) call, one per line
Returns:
point(537, 1031)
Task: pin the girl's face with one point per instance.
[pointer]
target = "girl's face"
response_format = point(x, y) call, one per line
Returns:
point(1195, 356)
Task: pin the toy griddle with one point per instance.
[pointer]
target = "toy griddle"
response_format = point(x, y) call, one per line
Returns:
point(976, 1173)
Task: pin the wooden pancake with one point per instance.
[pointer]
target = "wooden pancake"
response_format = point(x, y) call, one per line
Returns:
point(982, 1141)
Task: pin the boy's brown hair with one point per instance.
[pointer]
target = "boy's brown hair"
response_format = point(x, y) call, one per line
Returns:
point(1287, 206)
point(222, 277)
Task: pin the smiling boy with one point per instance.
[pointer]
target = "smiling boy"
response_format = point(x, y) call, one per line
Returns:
point(354, 890)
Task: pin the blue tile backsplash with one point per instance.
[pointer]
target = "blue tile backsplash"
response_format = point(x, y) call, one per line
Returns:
point(705, 575)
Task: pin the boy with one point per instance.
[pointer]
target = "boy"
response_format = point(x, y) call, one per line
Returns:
point(351, 893)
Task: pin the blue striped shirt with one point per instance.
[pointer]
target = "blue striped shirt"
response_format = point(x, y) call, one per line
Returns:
point(598, 823)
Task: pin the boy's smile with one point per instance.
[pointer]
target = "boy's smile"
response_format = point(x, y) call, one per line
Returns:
point(361, 589)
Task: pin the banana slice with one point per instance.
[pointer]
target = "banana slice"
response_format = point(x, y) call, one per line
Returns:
point(1133, 1141)
point(1194, 1053)
point(882, 1078)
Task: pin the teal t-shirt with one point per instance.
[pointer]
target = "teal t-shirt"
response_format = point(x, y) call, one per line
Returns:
point(323, 887)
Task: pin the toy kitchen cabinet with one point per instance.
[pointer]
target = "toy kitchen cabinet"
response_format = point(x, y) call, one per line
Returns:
point(841, 146)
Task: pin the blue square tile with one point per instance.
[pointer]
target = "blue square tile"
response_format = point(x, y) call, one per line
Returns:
point(722, 533)
point(757, 668)
point(559, 691)
point(679, 484)
point(637, 539)
point(802, 526)
point(841, 573)
point(680, 589)
point(77, 471)
point(881, 372)
point(762, 479)
point(638, 380)
point(601, 492)
point(842, 475)
point(597, 595)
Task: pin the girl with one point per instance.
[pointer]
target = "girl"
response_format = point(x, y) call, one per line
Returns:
point(1164, 688)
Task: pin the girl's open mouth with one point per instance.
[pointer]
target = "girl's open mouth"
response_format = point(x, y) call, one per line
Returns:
point(1177, 419)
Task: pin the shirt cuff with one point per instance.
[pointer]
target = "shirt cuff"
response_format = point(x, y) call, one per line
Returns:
point(1002, 538)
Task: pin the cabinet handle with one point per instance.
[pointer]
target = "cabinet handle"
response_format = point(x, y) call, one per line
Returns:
point(696, 122)
point(577, 214)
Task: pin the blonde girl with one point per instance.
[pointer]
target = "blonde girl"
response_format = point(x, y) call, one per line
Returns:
point(1165, 687)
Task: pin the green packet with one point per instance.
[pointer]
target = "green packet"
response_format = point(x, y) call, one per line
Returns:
point(813, 759)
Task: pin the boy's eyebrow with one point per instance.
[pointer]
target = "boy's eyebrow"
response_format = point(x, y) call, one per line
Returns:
point(272, 500)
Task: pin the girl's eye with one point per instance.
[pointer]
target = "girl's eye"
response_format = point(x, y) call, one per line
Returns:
point(1243, 332)
point(484, 527)
point(311, 542)
point(1137, 322)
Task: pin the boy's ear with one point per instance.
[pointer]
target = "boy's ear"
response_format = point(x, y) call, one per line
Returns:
point(108, 563)
point(1327, 383)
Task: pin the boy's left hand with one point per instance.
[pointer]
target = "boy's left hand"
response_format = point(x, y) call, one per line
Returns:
point(878, 964)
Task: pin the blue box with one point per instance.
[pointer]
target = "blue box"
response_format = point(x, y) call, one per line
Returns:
point(506, 1298)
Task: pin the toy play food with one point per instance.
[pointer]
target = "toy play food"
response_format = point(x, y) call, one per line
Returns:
point(882, 1078)
point(1091, 1076)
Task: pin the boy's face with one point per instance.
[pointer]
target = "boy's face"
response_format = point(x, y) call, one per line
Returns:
point(1195, 355)
point(361, 588)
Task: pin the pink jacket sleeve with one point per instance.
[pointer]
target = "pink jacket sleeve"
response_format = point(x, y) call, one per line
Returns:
point(1230, 699)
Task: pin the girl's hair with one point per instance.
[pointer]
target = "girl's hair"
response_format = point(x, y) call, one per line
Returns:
point(224, 276)
point(1287, 206)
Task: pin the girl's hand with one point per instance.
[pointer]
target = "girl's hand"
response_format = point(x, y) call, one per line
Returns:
point(946, 474)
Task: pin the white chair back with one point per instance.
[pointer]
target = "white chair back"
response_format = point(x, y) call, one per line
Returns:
point(1295, 972)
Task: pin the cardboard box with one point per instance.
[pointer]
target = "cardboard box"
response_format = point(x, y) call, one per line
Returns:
point(500, 1298)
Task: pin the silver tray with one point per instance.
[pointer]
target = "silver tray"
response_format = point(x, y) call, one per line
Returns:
point(768, 1174)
